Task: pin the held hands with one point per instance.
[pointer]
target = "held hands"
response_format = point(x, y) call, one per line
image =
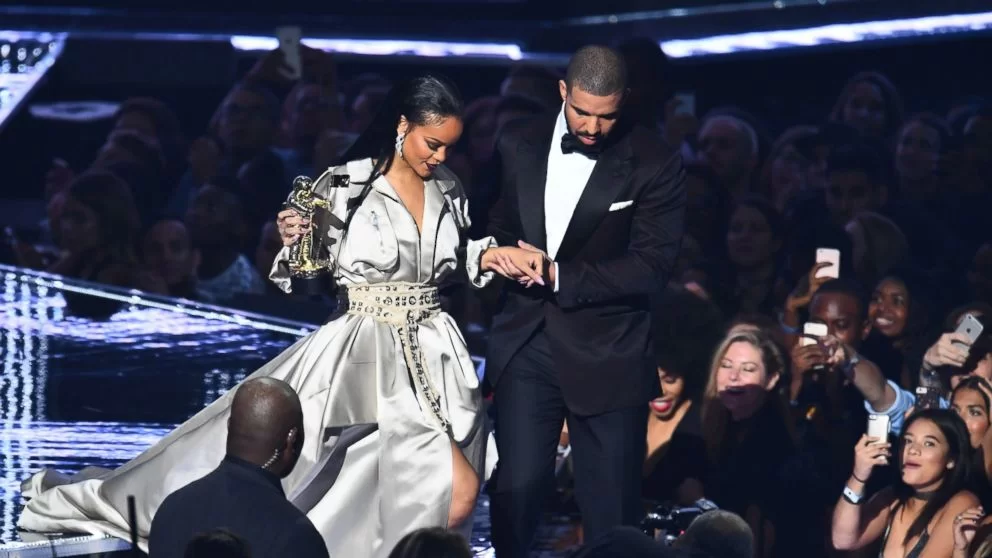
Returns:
point(291, 226)
point(965, 527)
point(950, 350)
point(868, 453)
point(517, 264)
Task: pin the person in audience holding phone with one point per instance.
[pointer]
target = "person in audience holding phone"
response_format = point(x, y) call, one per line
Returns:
point(916, 517)
point(827, 398)
point(839, 305)
point(800, 297)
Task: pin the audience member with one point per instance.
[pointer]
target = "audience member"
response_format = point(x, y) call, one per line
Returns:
point(870, 104)
point(244, 494)
point(917, 515)
point(432, 542)
point(718, 534)
point(216, 224)
point(169, 253)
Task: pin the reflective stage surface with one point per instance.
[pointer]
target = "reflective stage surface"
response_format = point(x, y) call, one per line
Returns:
point(78, 391)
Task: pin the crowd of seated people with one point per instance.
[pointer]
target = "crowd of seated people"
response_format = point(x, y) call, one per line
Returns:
point(754, 414)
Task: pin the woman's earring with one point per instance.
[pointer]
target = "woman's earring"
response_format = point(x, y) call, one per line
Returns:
point(399, 143)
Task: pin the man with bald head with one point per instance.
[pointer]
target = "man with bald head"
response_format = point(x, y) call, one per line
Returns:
point(244, 494)
point(730, 147)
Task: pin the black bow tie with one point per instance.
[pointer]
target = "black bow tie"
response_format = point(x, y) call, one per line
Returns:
point(571, 144)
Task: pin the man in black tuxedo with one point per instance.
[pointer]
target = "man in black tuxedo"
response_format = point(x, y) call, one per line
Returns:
point(604, 202)
point(244, 494)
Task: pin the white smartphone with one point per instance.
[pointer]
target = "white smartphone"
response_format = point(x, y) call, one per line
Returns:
point(970, 327)
point(813, 331)
point(687, 103)
point(289, 44)
point(878, 427)
point(831, 256)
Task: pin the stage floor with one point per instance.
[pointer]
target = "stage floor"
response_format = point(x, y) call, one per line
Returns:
point(77, 391)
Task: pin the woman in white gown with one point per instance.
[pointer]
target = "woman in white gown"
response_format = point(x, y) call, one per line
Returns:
point(396, 436)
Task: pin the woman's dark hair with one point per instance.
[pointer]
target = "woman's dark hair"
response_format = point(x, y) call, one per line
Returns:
point(976, 383)
point(977, 307)
point(219, 543)
point(921, 305)
point(982, 346)
point(955, 480)
point(934, 121)
point(686, 330)
point(145, 149)
point(772, 216)
point(433, 542)
point(890, 95)
point(424, 100)
point(168, 131)
point(113, 203)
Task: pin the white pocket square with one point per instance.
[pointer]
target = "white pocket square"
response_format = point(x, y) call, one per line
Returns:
point(621, 205)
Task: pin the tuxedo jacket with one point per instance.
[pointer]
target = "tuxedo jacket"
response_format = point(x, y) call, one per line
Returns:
point(618, 250)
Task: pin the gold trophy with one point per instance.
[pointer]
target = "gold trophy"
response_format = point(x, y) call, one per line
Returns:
point(309, 265)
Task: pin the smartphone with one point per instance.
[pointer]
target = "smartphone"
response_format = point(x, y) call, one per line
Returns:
point(831, 256)
point(289, 44)
point(813, 331)
point(928, 397)
point(878, 427)
point(687, 103)
point(970, 327)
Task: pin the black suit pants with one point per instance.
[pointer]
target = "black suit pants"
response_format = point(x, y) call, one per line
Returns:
point(607, 452)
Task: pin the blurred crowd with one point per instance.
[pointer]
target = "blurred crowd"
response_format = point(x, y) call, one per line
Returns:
point(757, 413)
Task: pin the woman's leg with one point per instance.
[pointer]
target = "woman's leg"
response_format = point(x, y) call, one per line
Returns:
point(464, 488)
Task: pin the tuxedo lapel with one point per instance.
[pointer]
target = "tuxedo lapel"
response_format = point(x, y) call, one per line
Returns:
point(605, 183)
point(532, 154)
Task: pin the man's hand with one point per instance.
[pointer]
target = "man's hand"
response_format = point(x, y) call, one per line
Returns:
point(549, 274)
point(804, 359)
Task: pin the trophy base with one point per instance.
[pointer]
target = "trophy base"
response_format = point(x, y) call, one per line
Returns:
point(311, 286)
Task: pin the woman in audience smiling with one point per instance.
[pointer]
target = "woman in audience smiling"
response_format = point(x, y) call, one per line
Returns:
point(747, 433)
point(686, 329)
point(916, 517)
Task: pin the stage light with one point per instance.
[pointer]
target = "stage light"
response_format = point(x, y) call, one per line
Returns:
point(829, 34)
point(389, 47)
point(25, 56)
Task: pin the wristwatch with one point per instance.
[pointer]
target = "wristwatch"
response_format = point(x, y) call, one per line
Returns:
point(852, 496)
point(852, 361)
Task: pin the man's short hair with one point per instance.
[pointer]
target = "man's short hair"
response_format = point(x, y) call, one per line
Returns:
point(849, 288)
point(860, 156)
point(597, 70)
point(718, 533)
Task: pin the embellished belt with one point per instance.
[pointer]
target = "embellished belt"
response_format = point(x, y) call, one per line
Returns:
point(405, 306)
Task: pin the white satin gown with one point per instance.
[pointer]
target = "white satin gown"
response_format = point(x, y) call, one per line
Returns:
point(385, 388)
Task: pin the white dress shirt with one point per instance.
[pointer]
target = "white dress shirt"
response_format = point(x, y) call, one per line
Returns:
point(567, 178)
